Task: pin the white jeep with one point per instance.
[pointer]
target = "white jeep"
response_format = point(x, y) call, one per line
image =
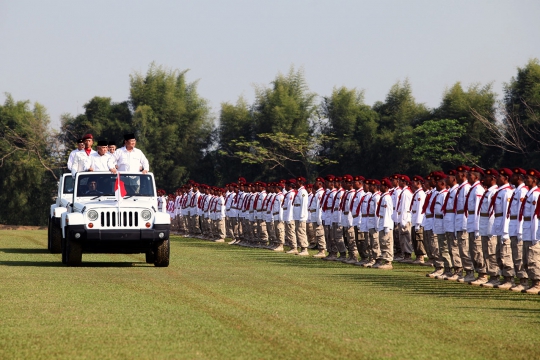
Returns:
point(98, 221)
point(63, 198)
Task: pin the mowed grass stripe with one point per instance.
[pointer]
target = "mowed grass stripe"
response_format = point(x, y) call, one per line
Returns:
point(221, 301)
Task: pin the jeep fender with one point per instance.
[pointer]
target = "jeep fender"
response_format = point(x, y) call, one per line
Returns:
point(58, 211)
point(71, 219)
point(162, 218)
point(51, 213)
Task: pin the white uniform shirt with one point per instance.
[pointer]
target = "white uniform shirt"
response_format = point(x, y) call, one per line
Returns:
point(327, 205)
point(356, 207)
point(416, 207)
point(71, 158)
point(449, 213)
point(518, 195)
point(130, 161)
point(288, 206)
point(314, 207)
point(403, 206)
point(300, 210)
point(386, 209)
point(364, 213)
point(336, 214)
point(103, 162)
point(428, 215)
point(394, 194)
point(345, 208)
point(438, 216)
point(500, 208)
point(82, 161)
point(461, 196)
point(473, 201)
point(486, 218)
point(276, 207)
point(372, 207)
point(529, 231)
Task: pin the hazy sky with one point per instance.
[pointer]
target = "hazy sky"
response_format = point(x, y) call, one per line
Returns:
point(62, 53)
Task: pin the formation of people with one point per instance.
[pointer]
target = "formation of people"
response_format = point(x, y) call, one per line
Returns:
point(459, 222)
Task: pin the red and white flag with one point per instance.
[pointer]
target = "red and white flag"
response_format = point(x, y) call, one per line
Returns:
point(119, 189)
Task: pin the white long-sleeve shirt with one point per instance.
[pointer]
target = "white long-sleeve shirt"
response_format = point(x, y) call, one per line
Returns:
point(384, 218)
point(300, 210)
point(417, 204)
point(314, 207)
point(513, 209)
point(403, 206)
point(288, 205)
point(460, 206)
point(486, 218)
point(473, 201)
point(103, 162)
point(500, 208)
point(131, 161)
point(529, 231)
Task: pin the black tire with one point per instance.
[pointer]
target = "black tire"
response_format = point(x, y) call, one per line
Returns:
point(49, 234)
point(64, 256)
point(56, 239)
point(73, 251)
point(150, 257)
point(162, 253)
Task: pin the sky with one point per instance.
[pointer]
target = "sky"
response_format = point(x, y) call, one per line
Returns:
point(63, 53)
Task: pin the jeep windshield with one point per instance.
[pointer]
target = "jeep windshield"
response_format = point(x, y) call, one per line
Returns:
point(103, 184)
point(68, 185)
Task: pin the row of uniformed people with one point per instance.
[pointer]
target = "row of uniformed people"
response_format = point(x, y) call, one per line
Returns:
point(465, 219)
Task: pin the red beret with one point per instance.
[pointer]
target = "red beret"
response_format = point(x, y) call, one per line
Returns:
point(534, 172)
point(309, 185)
point(347, 178)
point(520, 171)
point(320, 179)
point(463, 168)
point(452, 172)
point(291, 181)
point(439, 176)
point(338, 178)
point(418, 178)
point(329, 177)
point(262, 183)
point(404, 178)
point(492, 172)
point(242, 180)
point(375, 182)
point(195, 184)
point(359, 178)
point(87, 136)
point(505, 171)
point(301, 178)
point(386, 182)
point(478, 170)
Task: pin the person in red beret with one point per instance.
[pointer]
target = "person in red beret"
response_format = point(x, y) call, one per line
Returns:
point(315, 211)
point(259, 222)
point(373, 246)
point(417, 232)
point(443, 262)
point(337, 228)
point(360, 238)
point(403, 217)
point(346, 207)
point(530, 210)
point(194, 227)
point(385, 224)
point(501, 262)
point(395, 192)
point(485, 225)
point(518, 196)
point(327, 206)
point(300, 217)
point(430, 240)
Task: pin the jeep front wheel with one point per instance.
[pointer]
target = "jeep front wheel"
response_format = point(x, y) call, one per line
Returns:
point(56, 238)
point(162, 254)
point(73, 252)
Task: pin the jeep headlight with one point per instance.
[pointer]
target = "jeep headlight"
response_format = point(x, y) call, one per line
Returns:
point(146, 214)
point(92, 215)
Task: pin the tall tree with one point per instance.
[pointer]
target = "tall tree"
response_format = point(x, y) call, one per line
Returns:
point(27, 162)
point(173, 123)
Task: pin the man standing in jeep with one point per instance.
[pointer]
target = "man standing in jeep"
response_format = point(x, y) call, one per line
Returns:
point(130, 159)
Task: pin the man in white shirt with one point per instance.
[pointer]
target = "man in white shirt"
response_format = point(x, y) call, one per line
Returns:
point(82, 160)
point(300, 216)
point(111, 147)
point(403, 217)
point(129, 158)
point(290, 231)
point(385, 225)
point(71, 158)
point(102, 160)
point(347, 218)
point(417, 217)
point(315, 212)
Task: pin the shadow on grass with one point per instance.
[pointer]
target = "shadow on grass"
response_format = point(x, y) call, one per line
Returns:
point(84, 264)
point(405, 277)
point(24, 251)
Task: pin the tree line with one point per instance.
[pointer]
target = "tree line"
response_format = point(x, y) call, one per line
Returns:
point(287, 131)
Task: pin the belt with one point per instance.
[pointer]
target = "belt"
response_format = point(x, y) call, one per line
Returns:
point(450, 211)
point(439, 217)
point(364, 215)
point(459, 212)
point(355, 216)
point(484, 214)
point(296, 204)
point(251, 211)
point(285, 208)
point(268, 212)
point(429, 216)
point(312, 210)
point(414, 211)
point(345, 213)
point(513, 217)
point(526, 218)
point(498, 214)
point(371, 215)
point(276, 213)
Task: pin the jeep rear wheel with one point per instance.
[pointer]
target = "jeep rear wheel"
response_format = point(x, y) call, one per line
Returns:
point(56, 238)
point(49, 234)
point(162, 253)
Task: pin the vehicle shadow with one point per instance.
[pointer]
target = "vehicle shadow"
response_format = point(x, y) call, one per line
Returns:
point(84, 264)
point(24, 251)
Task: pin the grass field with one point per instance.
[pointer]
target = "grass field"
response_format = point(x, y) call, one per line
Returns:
point(220, 301)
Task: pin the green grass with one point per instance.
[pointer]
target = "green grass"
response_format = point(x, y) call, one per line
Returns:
point(220, 301)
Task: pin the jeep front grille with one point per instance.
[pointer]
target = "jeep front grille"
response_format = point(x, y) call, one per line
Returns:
point(119, 219)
